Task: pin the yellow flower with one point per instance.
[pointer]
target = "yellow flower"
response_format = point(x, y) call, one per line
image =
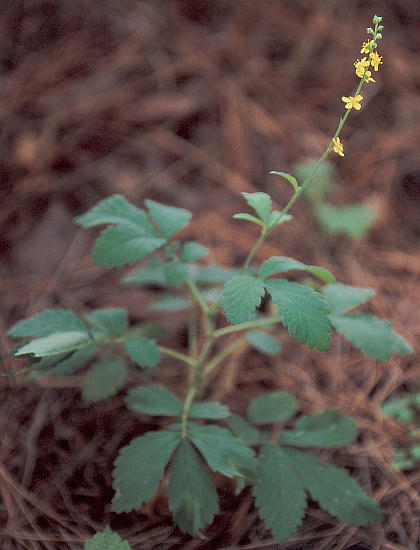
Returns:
point(367, 75)
point(338, 146)
point(353, 102)
point(361, 64)
point(366, 47)
point(375, 60)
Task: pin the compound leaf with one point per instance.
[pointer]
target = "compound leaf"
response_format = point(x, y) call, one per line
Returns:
point(192, 251)
point(209, 409)
point(223, 452)
point(116, 210)
point(103, 380)
point(142, 351)
point(139, 468)
point(192, 496)
point(327, 429)
point(154, 400)
point(241, 295)
point(279, 494)
point(47, 322)
point(263, 341)
point(340, 298)
point(168, 219)
point(280, 264)
point(54, 344)
point(111, 322)
point(107, 540)
point(123, 244)
point(371, 335)
point(304, 312)
point(261, 203)
point(334, 489)
point(242, 429)
point(271, 407)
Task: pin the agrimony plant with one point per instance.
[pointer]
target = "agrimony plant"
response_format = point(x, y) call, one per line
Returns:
point(280, 469)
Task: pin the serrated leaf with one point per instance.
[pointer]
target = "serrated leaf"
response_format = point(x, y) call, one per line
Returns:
point(263, 341)
point(261, 203)
point(241, 295)
point(210, 274)
point(223, 452)
point(151, 273)
point(111, 322)
point(271, 407)
point(279, 494)
point(192, 251)
point(175, 273)
point(248, 218)
point(277, 218)
point(341, 298)
point(304, 312)
point(104, 379)
point(47, 322)
point(54, 344)
point(192, 496)
point(369, 334)
point(116, 210)
point(291, 179)
point(142, 351)
point(209, 409)
point(154, 400)
point(170, 303)
point(353, 220)
point(334, 489)
point(281, 264)
point(243, 430)
point(123, 244)
point(107, 540)
point(326, 429)
point(139, 468)
point(168, 219)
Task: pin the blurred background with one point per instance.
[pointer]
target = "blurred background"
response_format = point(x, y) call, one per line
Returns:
point(190, 102)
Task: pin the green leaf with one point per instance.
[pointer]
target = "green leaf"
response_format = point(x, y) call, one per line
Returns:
point(334, 489)
point(192, 496)
point(168, 219)
point(402, 408)
point(107, 540)
point(279, 494)
point(192, 251)
point(142, 351)
point(170, 303)
point(154, 400)
point(104, 379)
point(209, 409)
point(280, 264)
point(123, 244)
point(175, 273)
point(304, 312)
point(47, 322)
point(340, 298)
point(111, 322)
point(54, 344)
point(291, 179)
point(248, 218)
point(272, 407)
point(326, 429)
point(223, 452)
point(241, 295)
point(353, 220)
point(369, 334)
point(139, 468)
point(261, 203)
point(263, 341)
point(243, 430)
point(277, 218)
point(210, 274)
point(151, 273)
point(116, 210)
point(68, 363)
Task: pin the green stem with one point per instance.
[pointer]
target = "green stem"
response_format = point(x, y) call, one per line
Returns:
point(195, 291)
point(262, 237)
point(176, 355)
point(237, 344)
point(248, 324)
